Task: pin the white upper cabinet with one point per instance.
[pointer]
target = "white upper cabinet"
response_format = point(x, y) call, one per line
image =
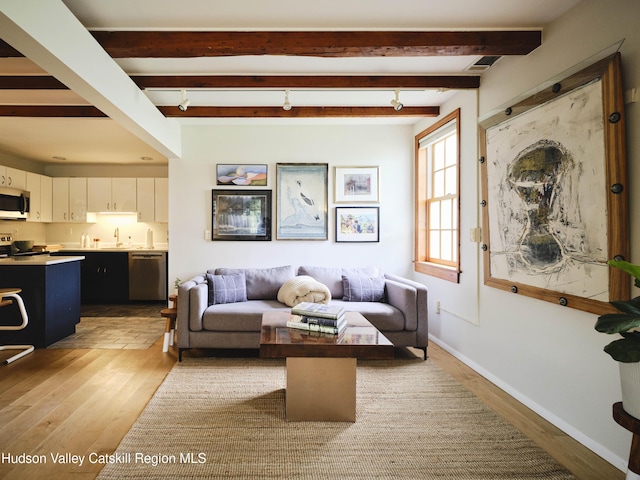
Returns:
point(69, 199)
point(111, 194)
point(13, 178)
point(162, 200)
point(146, 199)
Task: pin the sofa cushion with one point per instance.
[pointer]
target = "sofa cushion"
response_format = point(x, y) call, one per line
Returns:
point(332, 276)
point(226, 288)
point(383, 316)
point(239, 317)
point(363, 289)
point(261, 283)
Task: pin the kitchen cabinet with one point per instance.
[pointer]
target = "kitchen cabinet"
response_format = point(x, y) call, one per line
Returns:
point(145, 200)
point(13, 178)
point(51, 295)
point(111, 194)
point(39, 187)
point(104, 276)
point(69, 199)
point(161, 200)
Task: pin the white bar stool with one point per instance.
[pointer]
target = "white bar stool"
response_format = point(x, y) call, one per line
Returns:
point(6, 296)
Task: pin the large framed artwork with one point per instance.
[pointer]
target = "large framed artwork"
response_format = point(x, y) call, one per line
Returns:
point(301, 201)
point(241, 215)
point(554, 190)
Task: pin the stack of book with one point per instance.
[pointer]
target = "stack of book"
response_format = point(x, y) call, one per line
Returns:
point(317, 317)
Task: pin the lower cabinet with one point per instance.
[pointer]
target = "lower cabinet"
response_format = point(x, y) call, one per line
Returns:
point(104, 277)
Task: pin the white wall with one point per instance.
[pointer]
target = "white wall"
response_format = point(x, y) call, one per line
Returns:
point(548, 356)
point(192, 178)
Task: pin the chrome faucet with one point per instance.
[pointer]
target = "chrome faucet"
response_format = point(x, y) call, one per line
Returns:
point(117, 235)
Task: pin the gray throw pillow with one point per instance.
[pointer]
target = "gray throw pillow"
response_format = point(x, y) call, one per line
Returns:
point(363, 289)
point(226, 288)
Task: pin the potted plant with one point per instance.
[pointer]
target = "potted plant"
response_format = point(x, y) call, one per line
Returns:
point(625, 350)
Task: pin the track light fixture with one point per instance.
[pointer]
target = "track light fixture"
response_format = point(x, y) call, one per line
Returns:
point(397, 106)
point(287, 104)
point(184, 104)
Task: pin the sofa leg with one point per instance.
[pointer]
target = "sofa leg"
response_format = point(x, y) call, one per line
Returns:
point(180, 350)
point(424, 350)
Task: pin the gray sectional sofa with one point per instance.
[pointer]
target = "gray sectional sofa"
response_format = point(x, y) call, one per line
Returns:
point(223, 307)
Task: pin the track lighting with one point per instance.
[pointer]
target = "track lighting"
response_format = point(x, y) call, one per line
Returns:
point(397, 106)
point(287, 104)
point(185, 102)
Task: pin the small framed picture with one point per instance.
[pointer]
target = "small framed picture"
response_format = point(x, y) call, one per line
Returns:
point(357, 224)
point(241, 175)
point(357, 184)
point(241, 215)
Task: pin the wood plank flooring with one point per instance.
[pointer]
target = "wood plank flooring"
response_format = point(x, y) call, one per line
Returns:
point(84, 401)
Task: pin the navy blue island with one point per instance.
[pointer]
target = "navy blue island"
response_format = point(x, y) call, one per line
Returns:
point(51, 294)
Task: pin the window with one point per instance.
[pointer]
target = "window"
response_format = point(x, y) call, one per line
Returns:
point(437, 199)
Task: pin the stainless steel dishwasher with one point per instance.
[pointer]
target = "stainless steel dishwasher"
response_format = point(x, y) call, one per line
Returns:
point(147, 275)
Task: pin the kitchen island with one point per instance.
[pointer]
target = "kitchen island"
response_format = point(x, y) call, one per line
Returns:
point(51, 294)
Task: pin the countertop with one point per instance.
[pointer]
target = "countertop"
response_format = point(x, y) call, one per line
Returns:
point(112, 248)
point(38, 260)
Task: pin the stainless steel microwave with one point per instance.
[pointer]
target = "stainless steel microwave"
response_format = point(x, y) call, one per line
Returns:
point(14, 204)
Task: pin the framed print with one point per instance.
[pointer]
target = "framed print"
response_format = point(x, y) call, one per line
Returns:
point(356, 184)
point(554, 192)
point(357, 224)
point(301, 201)
point(241, 215)
point(241, 175)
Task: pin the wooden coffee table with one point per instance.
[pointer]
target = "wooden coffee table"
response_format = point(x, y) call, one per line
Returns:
point(321, 368)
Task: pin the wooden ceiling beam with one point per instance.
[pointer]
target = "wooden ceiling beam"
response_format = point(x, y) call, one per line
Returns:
point(223, 112)
point(51, 111)
point(419, 82)
point(298, 112)
point(307, 81)
point(185, 44)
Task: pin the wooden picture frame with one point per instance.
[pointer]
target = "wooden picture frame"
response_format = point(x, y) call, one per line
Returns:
point(357, 185)
point(302, 201)
point(241, 215)
point(357, 224)
point(554, 192)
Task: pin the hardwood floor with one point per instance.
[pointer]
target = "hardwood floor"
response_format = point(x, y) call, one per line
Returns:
point(83, 401)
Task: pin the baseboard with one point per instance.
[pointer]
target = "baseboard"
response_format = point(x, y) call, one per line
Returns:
point(577, 435)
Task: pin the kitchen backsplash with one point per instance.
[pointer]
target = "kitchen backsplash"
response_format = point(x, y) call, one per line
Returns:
point(104, 228)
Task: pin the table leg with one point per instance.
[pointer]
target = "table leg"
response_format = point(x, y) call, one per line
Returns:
point(321, 389)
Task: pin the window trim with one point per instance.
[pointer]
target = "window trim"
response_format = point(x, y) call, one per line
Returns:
point(420, 263)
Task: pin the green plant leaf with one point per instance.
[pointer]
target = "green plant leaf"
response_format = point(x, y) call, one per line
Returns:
point(617, 322)
point(628, 267)
point(627, 306)
point(625, 350)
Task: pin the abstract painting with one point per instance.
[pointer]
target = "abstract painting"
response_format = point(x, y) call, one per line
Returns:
point(301, 201)
point(545, 195)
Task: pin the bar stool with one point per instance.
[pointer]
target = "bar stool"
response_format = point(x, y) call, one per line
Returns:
point(170, 327)
point(6, 296)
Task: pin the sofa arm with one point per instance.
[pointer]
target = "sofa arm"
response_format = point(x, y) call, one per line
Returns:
point(403, 297)
point(188, 308)
point(421, 311)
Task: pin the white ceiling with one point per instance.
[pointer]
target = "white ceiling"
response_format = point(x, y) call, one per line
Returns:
point(100, 140)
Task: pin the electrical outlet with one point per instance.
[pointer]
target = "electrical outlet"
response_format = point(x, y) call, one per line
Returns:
point(437, 306)
point(207, 234)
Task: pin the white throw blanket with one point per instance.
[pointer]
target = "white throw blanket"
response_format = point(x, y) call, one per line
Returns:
point(303, 289)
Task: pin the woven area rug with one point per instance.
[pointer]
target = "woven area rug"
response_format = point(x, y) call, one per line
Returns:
point(224, 418)
point(137, 333)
